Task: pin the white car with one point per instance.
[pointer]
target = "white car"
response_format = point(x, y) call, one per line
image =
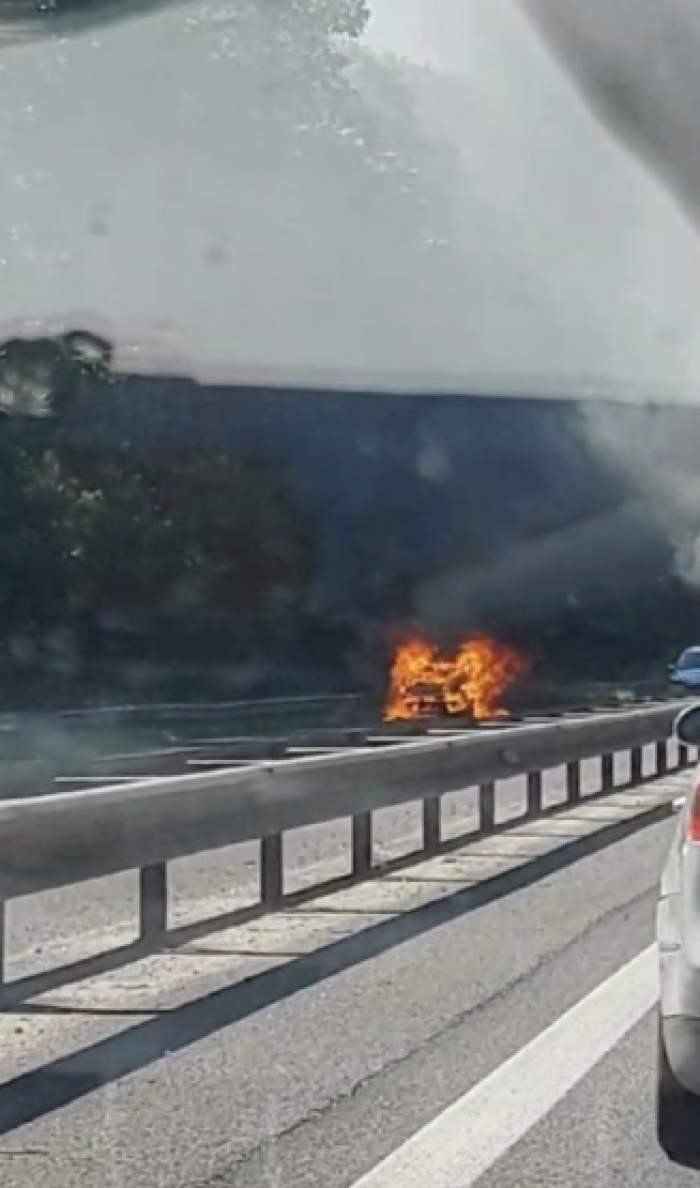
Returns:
point(678, 938)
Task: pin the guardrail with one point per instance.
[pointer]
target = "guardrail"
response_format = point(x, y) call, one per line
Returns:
point(192, 709)
point(36, 746)
point(69, 837)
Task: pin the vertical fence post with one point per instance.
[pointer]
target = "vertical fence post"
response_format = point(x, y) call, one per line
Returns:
point(573, 781)
point(431, 824)
point(661, 756)
point(271, 870)
point(3, 941)
point(607, 771)
point(153, 900)
point(487, 807)
point(361, 844)
point(534, 793)
point(635, 765)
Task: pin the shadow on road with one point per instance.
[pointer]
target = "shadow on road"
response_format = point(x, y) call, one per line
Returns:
point(33, 1094)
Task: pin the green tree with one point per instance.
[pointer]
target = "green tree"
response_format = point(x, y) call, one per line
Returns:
point(215, 534)
point(209, 536)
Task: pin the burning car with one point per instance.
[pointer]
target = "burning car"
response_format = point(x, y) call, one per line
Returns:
point(425, 683)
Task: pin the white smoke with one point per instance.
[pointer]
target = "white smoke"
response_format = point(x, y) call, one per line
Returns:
point(635, 62)
point(586, 270)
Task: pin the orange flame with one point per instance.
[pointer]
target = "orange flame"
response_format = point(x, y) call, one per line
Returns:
point(472, 682)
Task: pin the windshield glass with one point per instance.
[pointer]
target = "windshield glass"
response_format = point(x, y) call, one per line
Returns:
point(349, 525)
point(690, 659)
point(328, 190)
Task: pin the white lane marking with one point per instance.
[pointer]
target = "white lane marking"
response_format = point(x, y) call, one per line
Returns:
point(465, 1140)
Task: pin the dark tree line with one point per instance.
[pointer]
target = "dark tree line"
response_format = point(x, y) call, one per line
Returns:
point(89, 538)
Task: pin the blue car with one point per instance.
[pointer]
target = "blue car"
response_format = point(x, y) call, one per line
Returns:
point(686, 670)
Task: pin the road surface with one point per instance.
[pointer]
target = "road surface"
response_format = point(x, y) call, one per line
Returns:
point(309, 1048)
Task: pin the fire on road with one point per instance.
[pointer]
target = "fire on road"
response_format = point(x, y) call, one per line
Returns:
point(472, 681)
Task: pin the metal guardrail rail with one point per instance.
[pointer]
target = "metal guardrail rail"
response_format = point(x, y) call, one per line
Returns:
point(131, 823)
point(193, 709)
point(56, 737)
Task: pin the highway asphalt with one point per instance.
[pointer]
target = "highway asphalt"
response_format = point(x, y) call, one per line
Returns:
point(333, 1051)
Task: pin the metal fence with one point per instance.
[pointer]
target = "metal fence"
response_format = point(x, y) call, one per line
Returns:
point(72, 836)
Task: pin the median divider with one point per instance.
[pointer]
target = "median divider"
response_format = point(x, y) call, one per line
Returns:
point(69, 837)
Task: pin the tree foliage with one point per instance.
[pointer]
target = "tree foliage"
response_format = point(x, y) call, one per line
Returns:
point(90, 534)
